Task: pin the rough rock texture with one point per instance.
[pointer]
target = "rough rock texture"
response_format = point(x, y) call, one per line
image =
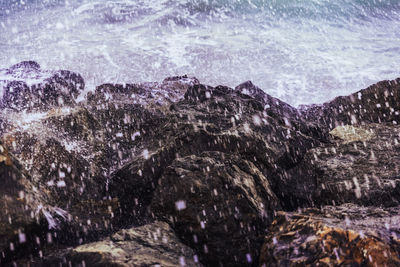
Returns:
point(231, 215)
point(281, 111)
point(69, 152)
point(216, 164)
point(206, 132)
point(21, 213)
point(361, 168)
point(149, 245)
point(347, 235)
point(24, 86)
point(359, 165)
point(377, 103)
point(147, 94)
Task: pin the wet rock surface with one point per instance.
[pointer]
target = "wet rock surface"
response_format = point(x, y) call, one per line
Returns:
point(154, 244)
point(360, 166)
point(25, 86)
point(347, 235)
point(218, 170)
point(375, 104)
point(23, 224)
point(231, 127)
point(231, 215)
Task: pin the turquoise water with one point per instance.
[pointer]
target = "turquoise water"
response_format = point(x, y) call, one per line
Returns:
point(300, 51)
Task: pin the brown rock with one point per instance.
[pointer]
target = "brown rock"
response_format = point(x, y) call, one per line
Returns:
point(153, 244)
point(21, 210)
point(314, 239)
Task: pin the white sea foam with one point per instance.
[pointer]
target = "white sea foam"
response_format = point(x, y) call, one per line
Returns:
point(299, 51)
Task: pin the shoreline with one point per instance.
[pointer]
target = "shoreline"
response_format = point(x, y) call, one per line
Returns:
point(182, 173)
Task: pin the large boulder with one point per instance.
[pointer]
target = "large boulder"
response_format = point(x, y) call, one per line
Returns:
point(36, 215)
point(361, 167)
point(25, 86)
point(205, 143)
point(360, 163)
point(153, 244)
point(218, 203)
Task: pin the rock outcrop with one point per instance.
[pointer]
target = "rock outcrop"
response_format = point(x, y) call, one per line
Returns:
point(219, 148)
point(154, 244)
point(360, 166)
point(68, 152)
point(375, 104)
point(25, 86)
point(231, 176)
point(231, 215)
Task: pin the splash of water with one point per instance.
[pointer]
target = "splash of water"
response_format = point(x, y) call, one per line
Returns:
point(300, 51)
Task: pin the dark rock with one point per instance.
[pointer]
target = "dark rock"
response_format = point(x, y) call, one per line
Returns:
point(218, 203)
point(26, 87)
point(36, 215)
point(226, 127)
point(271, 104)
point(22, 210)
point(375, 104)
point(282, 112)
point(68, 152)
point(361, 168)
point(199, 93)
point(149, 95)
point(24, 66)
point(215, 163)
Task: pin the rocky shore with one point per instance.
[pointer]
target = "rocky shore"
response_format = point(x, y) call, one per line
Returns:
point(179, 173)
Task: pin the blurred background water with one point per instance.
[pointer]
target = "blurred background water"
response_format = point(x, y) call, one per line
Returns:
point(302, 51)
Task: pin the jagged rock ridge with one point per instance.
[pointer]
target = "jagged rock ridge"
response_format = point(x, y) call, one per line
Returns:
point(219, 165)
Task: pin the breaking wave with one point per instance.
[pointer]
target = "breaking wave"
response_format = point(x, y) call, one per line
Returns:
point(301, 51)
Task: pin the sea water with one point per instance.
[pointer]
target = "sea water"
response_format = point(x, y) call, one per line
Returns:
point(302, 51)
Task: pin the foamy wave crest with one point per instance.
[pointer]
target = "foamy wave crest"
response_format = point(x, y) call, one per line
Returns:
point(302, 51)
